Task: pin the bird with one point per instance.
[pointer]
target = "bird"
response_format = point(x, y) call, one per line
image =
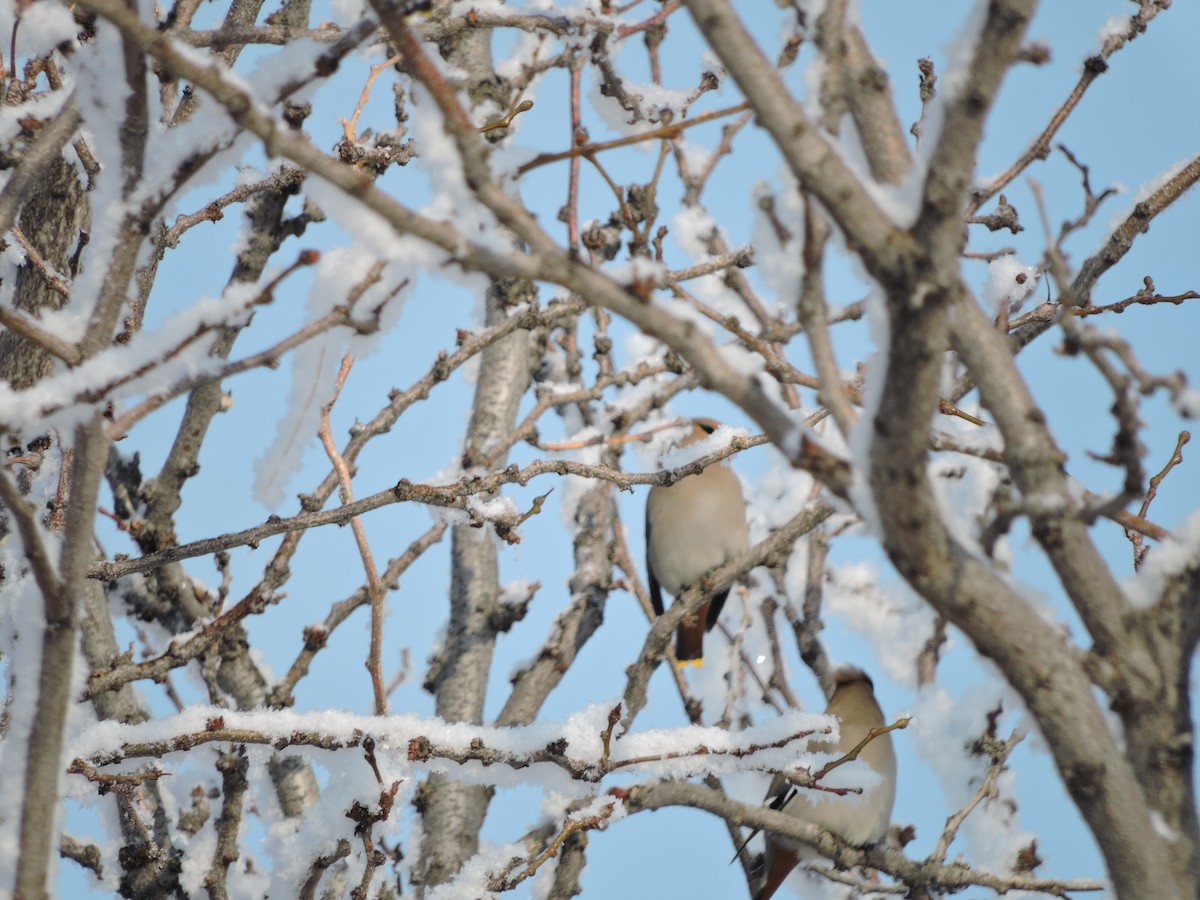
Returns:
point(858, 819)
point(693, 526)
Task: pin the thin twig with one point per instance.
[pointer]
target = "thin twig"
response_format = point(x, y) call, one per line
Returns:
point(666, 131)
point(1135, 536)
point(374, 586)
point(350, 126)
point(570, 827)
point(986, 790)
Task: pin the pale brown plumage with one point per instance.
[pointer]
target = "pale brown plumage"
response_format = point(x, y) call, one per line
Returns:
point(693, 526)
point(858, 819)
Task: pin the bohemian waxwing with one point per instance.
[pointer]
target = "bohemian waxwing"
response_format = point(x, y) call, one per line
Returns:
point(692, 526)
point(859, 819)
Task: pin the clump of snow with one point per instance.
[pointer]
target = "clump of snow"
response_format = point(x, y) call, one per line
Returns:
point(862, 434)
point(1114, 26)
point(780, 264)
point(648, 99)
point(892, 618)
point(653, 753)
point(691, 227)
point(964, 487)
point(713, 443)
point(21, 627)
point(741, 359)
point(901, 204)
point(314, 374)
point(439, 159)
point(515, 593)
point(1164, 563)
point(370, 229)
point(957, 54)
point(1009, 283)
point(1144, 192)
point(695, 157)
point(43, 106)
point(1187, 403)
point(472, 880)
point(492, 507)
point(43, 27)
point(138, 368)
point(638, 269)
point(197, 861)
point(514, 63)
point(209, 134)
point(346, 12)
point(573, 488)
point(779, 493)
point(945, 729)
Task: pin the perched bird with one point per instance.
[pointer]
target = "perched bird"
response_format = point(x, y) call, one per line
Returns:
point(692, 526)
point(859, 818)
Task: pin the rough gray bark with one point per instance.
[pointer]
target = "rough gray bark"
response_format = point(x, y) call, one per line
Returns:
point(452, 813)
point(590, 585)
point(62, 597)
point(52, 220)
point(151, 864)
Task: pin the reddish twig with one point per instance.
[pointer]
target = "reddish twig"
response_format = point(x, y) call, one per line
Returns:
point(350, 126)
point(1135, 537)
point(666, 131)
point(374, 586)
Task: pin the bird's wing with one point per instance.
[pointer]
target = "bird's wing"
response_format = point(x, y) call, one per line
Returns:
point(655, 590)
point(778, 795)
point(714, 609)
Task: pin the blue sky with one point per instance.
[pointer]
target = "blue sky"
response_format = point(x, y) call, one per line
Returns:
point(1136, 121)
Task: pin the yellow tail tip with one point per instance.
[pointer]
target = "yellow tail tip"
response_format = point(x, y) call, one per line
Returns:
point(682, 664)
